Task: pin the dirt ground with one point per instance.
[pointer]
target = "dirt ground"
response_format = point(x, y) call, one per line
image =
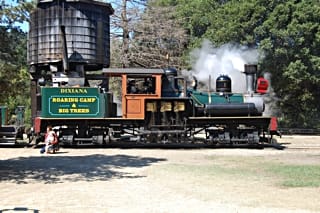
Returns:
point(153, 180)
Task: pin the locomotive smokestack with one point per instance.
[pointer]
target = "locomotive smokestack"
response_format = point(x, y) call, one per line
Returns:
point(250, 70)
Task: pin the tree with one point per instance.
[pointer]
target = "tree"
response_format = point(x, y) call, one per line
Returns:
point(126, 13)
point(147, 34)
point(14, 77)
point(13, 14)
point(158, 38)
point(290, 38)
point(197, 17)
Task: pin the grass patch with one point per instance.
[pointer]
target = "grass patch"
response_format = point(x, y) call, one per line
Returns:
point(248, 169)
point(297, 175)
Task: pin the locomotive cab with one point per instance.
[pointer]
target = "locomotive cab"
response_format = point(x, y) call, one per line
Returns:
point(153, 96)
point(137, 86)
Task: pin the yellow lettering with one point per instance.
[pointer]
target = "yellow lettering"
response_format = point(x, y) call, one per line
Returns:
point(65, 100)
point(74, 90)
point(80, 110)
point(87, 100)
point(63, 110)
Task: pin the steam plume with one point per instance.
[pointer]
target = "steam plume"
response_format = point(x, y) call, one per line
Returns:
point(225, 60)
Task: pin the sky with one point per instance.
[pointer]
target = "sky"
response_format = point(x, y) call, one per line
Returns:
point(24, 26)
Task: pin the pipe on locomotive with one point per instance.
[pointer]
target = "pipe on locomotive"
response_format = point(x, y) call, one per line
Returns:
point(250, 70)
point(65, 61)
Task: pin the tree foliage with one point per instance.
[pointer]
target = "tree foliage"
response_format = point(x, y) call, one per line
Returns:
point(158, 39)
point(18, 13)
point(150, 35)
point(126, 14)
point(291, 42)
point(14, 77)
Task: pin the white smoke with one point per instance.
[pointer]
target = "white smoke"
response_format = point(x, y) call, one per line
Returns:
point(270, 99)
point(225, 60)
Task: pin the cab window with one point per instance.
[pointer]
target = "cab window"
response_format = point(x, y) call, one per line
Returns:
point(141, 85)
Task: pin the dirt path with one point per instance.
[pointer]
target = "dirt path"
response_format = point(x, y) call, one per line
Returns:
point(154, 180)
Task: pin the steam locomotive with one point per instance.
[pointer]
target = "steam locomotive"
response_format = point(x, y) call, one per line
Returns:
point(69, 41)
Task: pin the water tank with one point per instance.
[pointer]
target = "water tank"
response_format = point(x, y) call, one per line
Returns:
point(86, 35)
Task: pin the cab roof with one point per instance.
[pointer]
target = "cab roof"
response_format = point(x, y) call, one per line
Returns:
point(132, 71)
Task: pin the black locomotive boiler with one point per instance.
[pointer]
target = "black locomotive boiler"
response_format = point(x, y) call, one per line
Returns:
point(69, 39)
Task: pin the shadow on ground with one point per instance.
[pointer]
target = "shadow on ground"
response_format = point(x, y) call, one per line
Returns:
point(58, 169)
point(19, 209)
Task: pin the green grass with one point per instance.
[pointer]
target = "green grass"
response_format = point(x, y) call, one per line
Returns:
point(251, 169)
point(297, 175)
